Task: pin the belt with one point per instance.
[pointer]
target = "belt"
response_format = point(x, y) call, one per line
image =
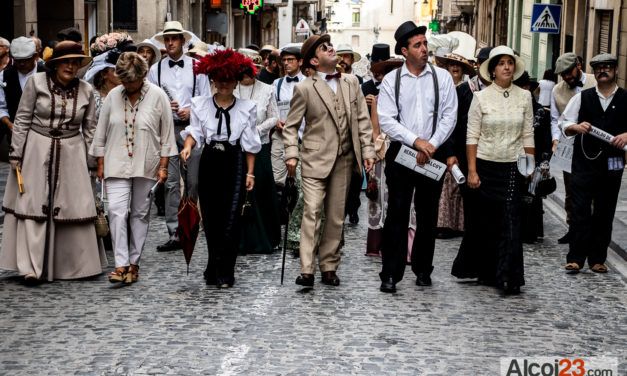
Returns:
point(221, 145)
point(54, 132)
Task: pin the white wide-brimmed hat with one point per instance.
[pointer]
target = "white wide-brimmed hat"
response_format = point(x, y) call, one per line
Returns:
point(98, 64)
point(173, 28)
point(155, 49)
point(345, 49)
point(498, 51)
point(199, 48)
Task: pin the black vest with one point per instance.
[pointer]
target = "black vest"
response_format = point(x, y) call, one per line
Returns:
point(13, 90)
point(611, 120)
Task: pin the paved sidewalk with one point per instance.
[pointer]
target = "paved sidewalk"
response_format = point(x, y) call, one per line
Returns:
point(619, 232)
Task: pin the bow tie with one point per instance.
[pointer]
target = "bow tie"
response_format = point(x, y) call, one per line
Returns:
point(180, 63)
point(332, 76)
point(377, 83)
point(291, 79)
point(223, 112)
point(579, 83)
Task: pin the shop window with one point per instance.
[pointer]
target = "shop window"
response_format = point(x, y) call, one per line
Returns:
point(125, 14)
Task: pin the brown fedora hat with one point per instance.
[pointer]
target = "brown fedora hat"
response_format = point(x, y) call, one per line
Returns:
point(308, 50)
point(453, 58)
point(386, 66)
point(68, 50)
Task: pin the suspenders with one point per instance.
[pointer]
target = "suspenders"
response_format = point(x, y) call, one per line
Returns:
point(278, 89)
point(159, 78)
point(436, 89)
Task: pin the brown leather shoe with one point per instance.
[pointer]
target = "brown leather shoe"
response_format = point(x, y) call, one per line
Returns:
point(330, 278)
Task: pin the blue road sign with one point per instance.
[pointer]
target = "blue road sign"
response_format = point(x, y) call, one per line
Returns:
point(545, 18)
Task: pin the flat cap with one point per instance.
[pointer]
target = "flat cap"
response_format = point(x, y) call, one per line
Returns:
point(22, 48)
point(565, 62)
point(603, 59)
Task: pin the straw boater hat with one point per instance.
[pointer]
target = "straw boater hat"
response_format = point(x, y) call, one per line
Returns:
point(225, 65)
point(453, 58)
point(155, 49)
point(68, 50)
point(200, 49)
point(253, 55)
point(173, 28)
point(308, 50)
point(497, 52)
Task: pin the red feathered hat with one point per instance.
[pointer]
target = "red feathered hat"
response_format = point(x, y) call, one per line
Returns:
point(225, 65)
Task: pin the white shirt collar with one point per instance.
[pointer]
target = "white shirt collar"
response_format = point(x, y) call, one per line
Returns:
point(405, 71)
point(609, 96)
point(324, 75)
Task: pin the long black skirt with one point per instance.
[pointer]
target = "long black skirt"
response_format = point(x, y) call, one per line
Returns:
point(261, 230)
point(221, 186)
point(499, 200)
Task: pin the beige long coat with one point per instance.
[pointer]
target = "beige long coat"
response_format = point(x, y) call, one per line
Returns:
point(49, 229)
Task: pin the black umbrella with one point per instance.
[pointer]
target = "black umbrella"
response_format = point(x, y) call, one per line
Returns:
point(288, 203)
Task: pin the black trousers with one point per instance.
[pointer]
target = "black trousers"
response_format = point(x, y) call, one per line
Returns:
point(221, 182)
point(594, 197)
point(353, 201)
point(466, 264)
point(403, 185)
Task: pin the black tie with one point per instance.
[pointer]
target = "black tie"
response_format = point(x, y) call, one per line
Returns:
point(180, 63)
point(377, 83)
point(291, 79)
point(220, 112)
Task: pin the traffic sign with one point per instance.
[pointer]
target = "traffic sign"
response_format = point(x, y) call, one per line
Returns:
point(302, 27)
point(545, 18)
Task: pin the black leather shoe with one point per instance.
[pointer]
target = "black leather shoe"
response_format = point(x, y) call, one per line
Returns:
point(330, 278)
point(564, 239)
point(160, 211)
point(353, 218)
point(423, 279)
point(388, 286)
point(306, 280)
point(511, 289)
point(170, 245)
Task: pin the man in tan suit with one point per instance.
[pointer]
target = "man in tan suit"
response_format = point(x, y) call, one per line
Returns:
point(336, 139)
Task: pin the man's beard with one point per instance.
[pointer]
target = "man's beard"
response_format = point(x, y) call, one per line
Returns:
point(347, 67)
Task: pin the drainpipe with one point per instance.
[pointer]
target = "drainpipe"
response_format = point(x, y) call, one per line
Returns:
point(618, 38)
point(585, 33)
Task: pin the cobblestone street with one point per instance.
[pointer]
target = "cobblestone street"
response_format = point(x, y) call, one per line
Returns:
point(172, 323)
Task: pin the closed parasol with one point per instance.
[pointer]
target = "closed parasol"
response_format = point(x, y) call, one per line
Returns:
point(288, 203)
point(189, 225)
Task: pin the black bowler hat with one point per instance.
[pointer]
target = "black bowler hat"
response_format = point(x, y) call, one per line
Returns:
point(407, 30)
point(524, 80)
point(380, 52)
point(484, 54)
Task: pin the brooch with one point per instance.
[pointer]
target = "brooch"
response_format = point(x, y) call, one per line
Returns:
point(218, 147)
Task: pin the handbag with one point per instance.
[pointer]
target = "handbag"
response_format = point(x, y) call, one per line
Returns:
point(101, 222)
point(247, 206)
point(372, 188)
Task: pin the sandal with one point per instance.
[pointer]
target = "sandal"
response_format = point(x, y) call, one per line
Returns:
point(599, 268)
point(133, 274)
point(572, 266)
point(118, 275)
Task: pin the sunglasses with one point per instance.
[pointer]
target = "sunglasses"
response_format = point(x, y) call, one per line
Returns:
point(325, 47)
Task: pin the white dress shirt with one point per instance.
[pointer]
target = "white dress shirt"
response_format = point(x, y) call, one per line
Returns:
point(416, 101)
point(203, 125)
point(265, 99)
point(571, 113)
point(555, 114)
point(4, 109)
point(287, 88)
point(180, 81)
point(332, 82)
point(546, 90)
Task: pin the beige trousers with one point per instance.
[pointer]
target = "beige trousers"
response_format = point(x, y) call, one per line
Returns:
point(329, 195)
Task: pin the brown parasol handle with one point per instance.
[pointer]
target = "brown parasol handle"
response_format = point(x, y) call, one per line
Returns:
point(20, 180)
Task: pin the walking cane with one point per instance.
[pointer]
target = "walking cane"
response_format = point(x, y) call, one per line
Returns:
point(287, 225)
point(289, 203)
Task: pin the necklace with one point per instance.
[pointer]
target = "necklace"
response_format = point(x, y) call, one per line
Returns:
point(129, 128)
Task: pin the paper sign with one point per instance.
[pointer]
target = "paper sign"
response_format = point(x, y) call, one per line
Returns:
point(284, 109)
point(563, 157)
point(603, 135)
point(432, 169)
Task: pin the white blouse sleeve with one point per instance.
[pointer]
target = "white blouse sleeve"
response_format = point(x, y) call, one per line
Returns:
point(272, 114)
point(196, 120)
point(250, 140)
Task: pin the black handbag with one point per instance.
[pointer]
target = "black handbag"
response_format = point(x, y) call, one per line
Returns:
point(546, 187)
point(247, 206)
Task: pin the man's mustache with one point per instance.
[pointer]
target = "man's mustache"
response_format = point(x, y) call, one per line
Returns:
point(603, 74)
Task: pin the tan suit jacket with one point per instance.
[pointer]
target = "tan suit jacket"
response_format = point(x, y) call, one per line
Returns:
point(313, 100)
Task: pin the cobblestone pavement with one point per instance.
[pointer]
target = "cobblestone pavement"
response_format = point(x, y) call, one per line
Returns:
point(171, 323)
